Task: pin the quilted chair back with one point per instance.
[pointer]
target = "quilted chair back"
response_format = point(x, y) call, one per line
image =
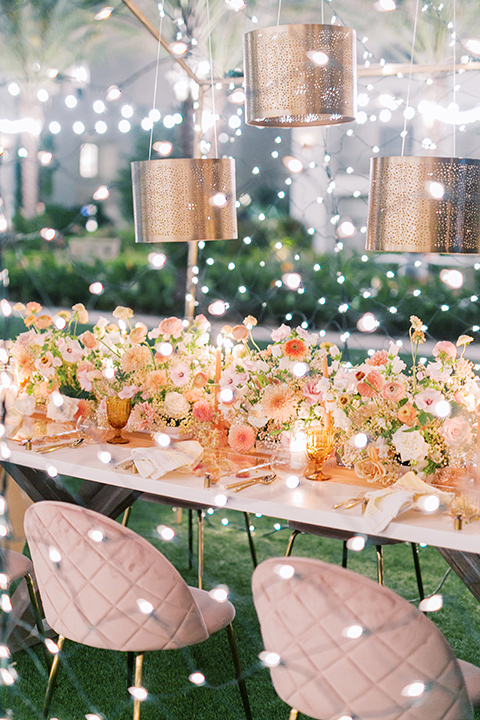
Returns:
point(350, 648)
point(97, 577)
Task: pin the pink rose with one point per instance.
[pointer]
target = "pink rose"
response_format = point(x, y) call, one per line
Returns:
point(456, 431)
point(393, 391)
point(445, 350)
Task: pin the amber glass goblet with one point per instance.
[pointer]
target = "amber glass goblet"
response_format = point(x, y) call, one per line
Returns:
point(118, 412)
point(320, 446)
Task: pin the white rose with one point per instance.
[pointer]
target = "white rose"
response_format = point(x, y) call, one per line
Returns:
point(25, 404)
point(410, 445)
point(63, 413)
point(175, 405)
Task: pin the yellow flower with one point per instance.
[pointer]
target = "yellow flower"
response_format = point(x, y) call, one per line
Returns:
point(250, 321)
point(464, 340)
point(122, 313)
point(416, 323)
point(80, 313)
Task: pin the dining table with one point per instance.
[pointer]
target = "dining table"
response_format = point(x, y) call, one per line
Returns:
point(109, 486)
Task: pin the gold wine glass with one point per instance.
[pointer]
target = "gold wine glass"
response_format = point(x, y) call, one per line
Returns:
point(320, 446)
point(118, 412)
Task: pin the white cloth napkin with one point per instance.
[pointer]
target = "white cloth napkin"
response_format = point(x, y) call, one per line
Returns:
point(155, 462)
point(404, 494)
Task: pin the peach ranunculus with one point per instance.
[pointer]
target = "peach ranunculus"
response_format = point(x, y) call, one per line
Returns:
point(445, 350)
point(33, 307)
point(80, 313)
point(89, 340)
point(200, 379)
point(239, 333)
point(295, 349)
point(241, 438)
point(378, 358)
point(456, 431)
point(407, 414)
point(393, 391)
point(42, 322)
point(203, 411)
point(136, 358)
point(371, 384)
point(171, 327)
point(138, 334)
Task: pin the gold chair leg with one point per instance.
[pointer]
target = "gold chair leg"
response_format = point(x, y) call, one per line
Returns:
point(250, 539)
point(238, 671)
point(126, 515)
point(380, 572)
point(52, 678)
point(290, 542)
point(37, 614)
point(200, 548)
point(418, 572)
point(138, 683)
point(293, 714)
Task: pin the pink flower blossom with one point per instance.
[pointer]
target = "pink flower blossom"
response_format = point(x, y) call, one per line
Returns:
point(378, 358)
point(280, 333)
point(438, 372)
point(180, 374)
point(70, 350)
point(371, 384)
point(241, 438)
point(128, 391)
point(312, 392)
point(427, 399)
point(142, 417)
point(46, 364)
point(445, 350)
point(202, 323)
point(84, 371)
point(203, 411)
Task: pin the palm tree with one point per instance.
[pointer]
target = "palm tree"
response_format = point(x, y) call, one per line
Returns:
point(40, 41)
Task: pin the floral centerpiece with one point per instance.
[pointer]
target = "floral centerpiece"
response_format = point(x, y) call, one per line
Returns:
point(390, 417)
point(276, 391)
point(168, 373)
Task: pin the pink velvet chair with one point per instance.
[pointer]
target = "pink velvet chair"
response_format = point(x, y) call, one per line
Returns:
point(104, 586)
point(351, 649)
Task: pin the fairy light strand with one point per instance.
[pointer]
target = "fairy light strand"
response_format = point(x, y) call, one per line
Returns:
point(157, 66)
point(404, 135)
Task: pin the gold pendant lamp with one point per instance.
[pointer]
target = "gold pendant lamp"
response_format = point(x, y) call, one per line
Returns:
point(178, 200)
point(424, 204)
point(300, 75)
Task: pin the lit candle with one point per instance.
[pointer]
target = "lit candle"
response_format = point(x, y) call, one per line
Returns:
point(218, 369)
point(328, 417)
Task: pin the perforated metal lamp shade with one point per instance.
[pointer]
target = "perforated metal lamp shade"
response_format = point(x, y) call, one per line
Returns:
point(298, 75)
point(424, 204)
point(178, 200)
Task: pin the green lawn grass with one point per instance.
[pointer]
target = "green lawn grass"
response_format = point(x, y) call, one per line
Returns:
point(94, 681)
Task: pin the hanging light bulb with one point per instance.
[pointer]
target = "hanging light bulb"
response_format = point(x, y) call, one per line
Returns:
point(298, 75)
